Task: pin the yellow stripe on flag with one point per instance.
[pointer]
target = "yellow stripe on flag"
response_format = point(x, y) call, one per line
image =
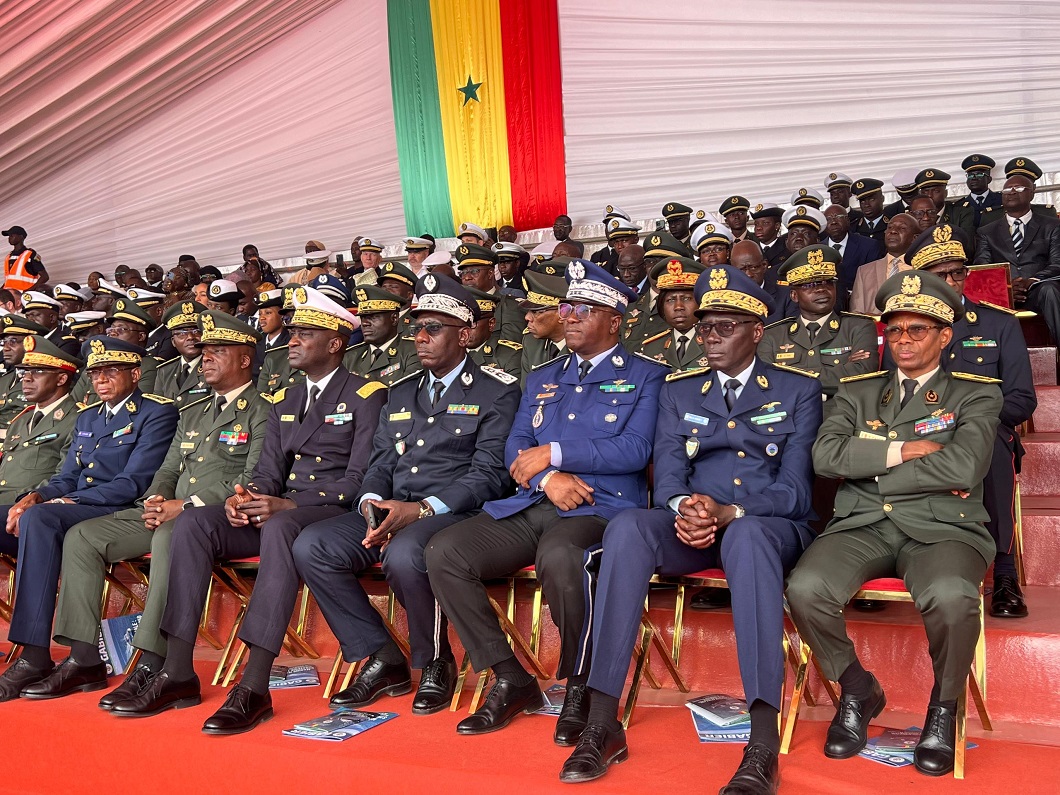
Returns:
point(470, 66)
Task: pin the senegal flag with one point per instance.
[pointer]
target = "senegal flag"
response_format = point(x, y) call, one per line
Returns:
point(478, 111)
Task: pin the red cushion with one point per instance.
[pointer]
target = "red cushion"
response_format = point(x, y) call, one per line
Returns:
point(988, 283)
point(885, 584)
point(709, 574)
point(254, 559)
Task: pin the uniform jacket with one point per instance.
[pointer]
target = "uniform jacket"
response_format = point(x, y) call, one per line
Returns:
point(84, 393)
point(992, 201)
point(64, 340)
point(12, 401)
point(663, 348)
point(857, 251)
point(953, 212)
point(642, 319)
point(876, 233)
point(276, 371)
point(31, 458)
point(842, 333)
point(397, 360)
point(500, 354)
point(511, 318)
point(183, 390)
point(160, 344)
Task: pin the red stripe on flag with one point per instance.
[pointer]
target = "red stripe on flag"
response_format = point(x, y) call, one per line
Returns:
point(533, 97)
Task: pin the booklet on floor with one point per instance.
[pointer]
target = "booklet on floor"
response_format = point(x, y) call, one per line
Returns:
point(710, 732)
point(553, 700)
point(720, 709)
point(287, 676)
point(342, 724)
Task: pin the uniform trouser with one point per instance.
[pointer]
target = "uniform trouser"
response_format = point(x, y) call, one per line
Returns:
point(89, 548)
point(755, 552)
point(943, 579)
point(1045, 300)
point(203, 535)
point(999, 490)
point(8, 543)
point(482, 548)
point(41, 530)
point(329, 556)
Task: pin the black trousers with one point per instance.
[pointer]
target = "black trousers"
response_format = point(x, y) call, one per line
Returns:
point(481, 548)
point(1045, 300)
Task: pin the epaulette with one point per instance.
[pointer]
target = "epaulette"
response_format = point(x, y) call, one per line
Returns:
point(654, 337)
point(87, 406)
point(280, 347)
point(797, 370)
point(857, 314)
point(278, 395)
point(20, 414)
point(405, 378)
point(979, 379)
point(370, 389)
point(168, 361)
point(499, 375)
point(196, 403)
point(526, 331)
point(515, 346)
point(266, 396)
point(780, 322)
point(410, 339)
point(999, 308)
point(687, 373)
point(862, 376)
point(647, 358)
point(550, 361)
point(157, 398)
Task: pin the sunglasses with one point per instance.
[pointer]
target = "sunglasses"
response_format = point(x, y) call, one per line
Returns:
point(725, 328)
point(432, 327)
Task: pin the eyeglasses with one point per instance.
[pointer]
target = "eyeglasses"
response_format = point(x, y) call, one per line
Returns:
point(958, 275)
point(31, 372)
point(725, 328)
point(822, 285)
point(579, 311)
point(186, 332)
point(923, 213)
point(715, 248)
point(629, 268)
point(915, 332)
point(541, 310)
point(474, 271)
point(1015, 189)
point(121, 328)
point(107, 373)
point(432, 327)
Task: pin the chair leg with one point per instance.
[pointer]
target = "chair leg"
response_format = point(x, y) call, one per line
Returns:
point(461, 677)
point(535, 618)
point(796, 697)
point(961, 745)
point(641, 656)
point(237, 661)
point(679, 624)
point(1017, 534)
point(336, 666)
point(227, 651)
point(480, 688)
point(513, 634)
point(980, 651)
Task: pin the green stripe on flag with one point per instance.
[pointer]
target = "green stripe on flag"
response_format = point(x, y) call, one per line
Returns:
point(417, 119)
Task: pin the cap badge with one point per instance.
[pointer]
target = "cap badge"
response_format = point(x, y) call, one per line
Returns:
point(97, 346)
point(361, 296)
point(911, 285)
point(801, 210)
point(719, 280)
point(673, 267)
point(815, 257)
point(463, 227)
point(29, 344)
point(656, 240)
point(463, 250)
point(614, 223)
point(207, 323)
point(860, 185)
point(609, 209)
point(669, 208)
point(759, 208)
point(576, 270)
point(1021, 162)
point(430, 282)
point(187, 308)
point(942, 234)
point(734, 200)
point(929, 173)
point(701, 214)
point(802, 191)
point(301, 296)
point(710, 228)
point(120, 306)
point(215, 289)
point(388, 267)
point(833, 175)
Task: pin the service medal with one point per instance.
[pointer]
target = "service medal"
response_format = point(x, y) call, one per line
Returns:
point(539, 416)
point(691, 447)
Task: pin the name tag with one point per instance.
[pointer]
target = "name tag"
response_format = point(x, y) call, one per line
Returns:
point(545, 395)
point(187, 445)
point(45, 438)
point(338, 419)
point(233, 437)
point(462, 408)
point(400, 415)
point(286, 418)
point(198, 391)
point(978, 343)
point(84, 433)
point(783, 356)
point(697, 419)
point(836, 351)
point(765, 419)
point(617, 387)
point(934, 424)
point(874, 436)
point(122, 431)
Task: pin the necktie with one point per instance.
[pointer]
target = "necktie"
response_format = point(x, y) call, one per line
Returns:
point(813, 328)
point(1017, 236)
point(730, 392)
point(219, 404)
point(980, 200)
point(375, 356)
point(38, 415)
point(838, 247)
point(439, 387)
point(110, 415)
point(908, 388)
point(584, 368)
point(313, 392)
point(185, 370)
point(892, 268)
point(550, 350)
point(682, 345)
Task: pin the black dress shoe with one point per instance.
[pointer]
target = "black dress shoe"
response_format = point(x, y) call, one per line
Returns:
point(373, 680)
point(134, 685)
point(66, 678)
point(868, 605)
point(160, 694)
point(711, 599)
point(436, 687)
point(848, 732)
point(598, 748)
point(21, 674)
point(573, 716)
point(933, 755)
point(503, 703)
point(1007, 599)
point(756, 775)
point(242, 711)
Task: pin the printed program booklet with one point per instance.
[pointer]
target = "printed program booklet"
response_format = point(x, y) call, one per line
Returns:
point(885, 755)
point(553, 701)
point(285, 677)
point(342, 724)
point(721, 710)
point(710, 732)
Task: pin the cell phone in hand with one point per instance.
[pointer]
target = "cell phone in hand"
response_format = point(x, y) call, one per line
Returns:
point(376, 516)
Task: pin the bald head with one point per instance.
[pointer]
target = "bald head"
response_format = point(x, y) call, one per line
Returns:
point(747, 256)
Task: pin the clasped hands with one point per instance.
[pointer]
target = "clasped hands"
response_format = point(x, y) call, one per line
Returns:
point(399, 516)
point(564, 490)
point(249, 507)
point(700, 518)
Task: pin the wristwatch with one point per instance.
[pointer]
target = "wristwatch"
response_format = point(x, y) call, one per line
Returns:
point(425, 509)
point(187, 504)
point(740, 512)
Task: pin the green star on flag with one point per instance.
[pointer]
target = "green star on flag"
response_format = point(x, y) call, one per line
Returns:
point(470, 91)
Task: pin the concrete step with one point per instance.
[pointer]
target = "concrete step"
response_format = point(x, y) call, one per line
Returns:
point(1040, 475)
point(1046, 417)
point(1043, 365)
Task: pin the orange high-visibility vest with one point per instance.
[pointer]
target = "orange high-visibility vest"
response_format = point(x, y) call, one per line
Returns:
point(16, 277)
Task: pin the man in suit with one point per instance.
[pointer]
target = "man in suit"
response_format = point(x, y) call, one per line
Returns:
point(677, 347)
point(677, 217)
point(45, 311)
point(1019, 167)
point(196, 471)
point(933, 183)
point(14, 330)
point(304, 475)
point(386, 354)
point(544, 339)
point(734, 212)
point(476, 267)
point(732, 489)
point(1030, 243)
point(39, 437)
point(578, 450)
point(873, 218)
point(117, 447)
point(913, 446)
point(977, 177)
point(438, 455)
point(855, 250)
point(181, 379)
point(901, 230)
point(819, 340)
point(767, 231)
point(987, 341)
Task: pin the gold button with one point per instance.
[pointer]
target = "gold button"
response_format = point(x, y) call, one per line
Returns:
point(731, 424)
point(953, 355)
point(191, 480)
point(92, 464)
point(892, 434)
point(312, 477)
point(199, 459)
point(25, 444)
point(419, 442)
point(980, 360)
point(695, 430)
point(292, 476)
point(3, 482)
point(397, 435)
point(570, 416)
point(962, 515)
point(809, 353)
point(319, 459)
point(457, 431)
point(742, 454)
point(835, 361)
point(89, 480)
point(887, 507)
point(737, 481)
point(207, 438)
point(297, 456)
point(577, 389)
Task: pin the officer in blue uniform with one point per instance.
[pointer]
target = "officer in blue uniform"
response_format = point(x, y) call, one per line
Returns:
point(438, 454)
point(578, 451)
point(117, 447)
point(733, 481)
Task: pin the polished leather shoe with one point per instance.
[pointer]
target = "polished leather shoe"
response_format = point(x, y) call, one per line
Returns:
point(373, 680)
point(598, 748)
point(437, 683)
point(1007, 599)
point(134, 685)
point(868, 605)
point(503, 703)
point(21, 674)
point(933, 755)
point(711, 599)
point(66, 678)
point(160, 694)
point(756, 775)
point(849, 729)
point(242, 711)
point(573, 716)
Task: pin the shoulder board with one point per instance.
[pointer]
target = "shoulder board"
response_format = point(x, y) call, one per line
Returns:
point(278, 395)
point(526, 331)
point(863, 376)
point(86, 407)
point(550, 361)
point(640, 355)
point(499, 375)
point(267, 397)
point(195, 403)
point(515, 346)
point(798, 370)
point(408, 377)
point(999, 308)
point(979, 379)
point(30, 406)
point(687, 373)
point(157, 398)
point(168, 361)
point(370, 389)
point(279, 347)
point(355, 347)
point(858, 314)
point(410, 339)
point(781, 322)
point(654, 337)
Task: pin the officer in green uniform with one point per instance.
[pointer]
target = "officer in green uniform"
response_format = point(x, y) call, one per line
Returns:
point(678, 346)
point(1018, 167)
point(276, 372)
point(820, 340)
point(913, 446)
point(544, 339)
point(217, 444)
point(932, 183)
point(476, 267)
point(621, 232)
point(487, 347)
point(129, 322)
point(385, 355)
point(677, 217)
point(642, 318)
point(181, 379)
point(13, 331)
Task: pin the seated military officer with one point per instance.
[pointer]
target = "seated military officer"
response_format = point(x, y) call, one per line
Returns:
point(487, 347)
point(317, 443)
point(217, 443)
point(476, 267)
point(14, 329)
point(39, 437)
point(438, 455)
point(386, 354)
point(117, 447)
point(578, 451)
point(223, 296)
point(276, 372)
point(181, 378)
point(732, 489)
point(125, 321)
point(544, 339)
point(913, 445)
point(819, 340)
point(45, 311)
point(512, 260)
point(712, 243)
point(160, 340)
point(677, 217)
point(678, 347)
point(397, 279)
point(86, 324)
point(734, 212)
point(644, 317)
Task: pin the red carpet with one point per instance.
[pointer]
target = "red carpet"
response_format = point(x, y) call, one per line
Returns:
point(70, 746)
